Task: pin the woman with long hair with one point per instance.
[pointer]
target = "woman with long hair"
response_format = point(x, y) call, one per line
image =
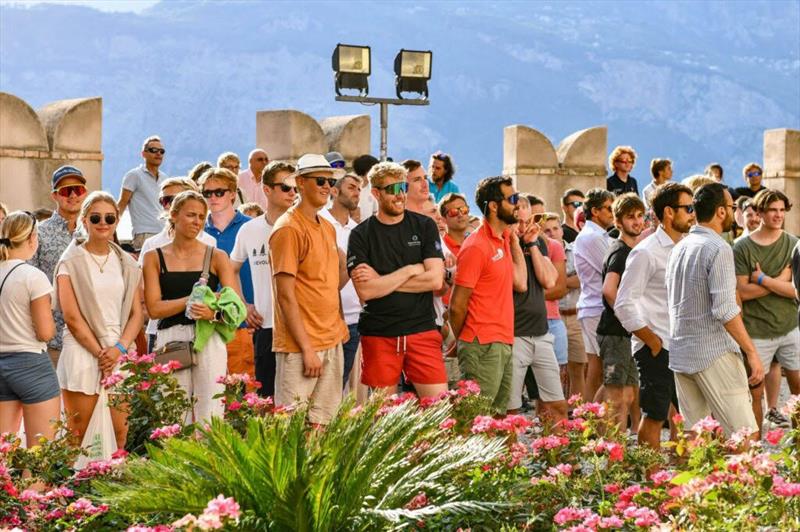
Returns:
point(28, 383)
point(97, 291)
point(170, 272)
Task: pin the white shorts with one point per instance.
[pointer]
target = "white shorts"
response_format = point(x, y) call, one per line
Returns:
point(535, 352)
point(589, 330)
point(785, 350)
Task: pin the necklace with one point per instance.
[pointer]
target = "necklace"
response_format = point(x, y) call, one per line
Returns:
point(101, 266)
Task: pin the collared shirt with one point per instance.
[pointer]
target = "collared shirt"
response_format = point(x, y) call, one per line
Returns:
point(569, 301)
point(225, 241)
point(447, 188)
point(367, 203)
point(143, 205)
point(647, 193)
point(54, 237)
point(701, 290)
point(590, 250)
point(642, 293)
point(618, 186)
point(351, 305)
point(252, 189)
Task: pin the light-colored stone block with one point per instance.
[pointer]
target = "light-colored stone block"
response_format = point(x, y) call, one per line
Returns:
point(525, 147)
point(19, 125)
point(74, 125)
point(584, 149)
point(781, 152)
point(349, 135)
point(288, 134)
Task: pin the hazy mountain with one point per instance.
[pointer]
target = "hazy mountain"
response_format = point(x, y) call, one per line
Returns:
point(693, 81)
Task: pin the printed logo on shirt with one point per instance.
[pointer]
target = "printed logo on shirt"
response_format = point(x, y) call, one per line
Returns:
point(438, 245)
point(414, 241)
point(499, 255)
point(259, 257)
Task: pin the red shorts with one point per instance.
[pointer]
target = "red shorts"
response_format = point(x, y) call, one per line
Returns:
point(418, 355)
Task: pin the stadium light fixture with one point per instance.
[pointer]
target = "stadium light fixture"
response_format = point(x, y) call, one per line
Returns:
point(352, 65)
point(412, 70)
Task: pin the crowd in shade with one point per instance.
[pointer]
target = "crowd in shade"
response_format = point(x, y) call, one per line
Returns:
point(323, 277)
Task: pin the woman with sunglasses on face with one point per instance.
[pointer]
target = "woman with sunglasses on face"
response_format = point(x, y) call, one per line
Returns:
point(170, 272)
point(28, 383)
point(97, 290)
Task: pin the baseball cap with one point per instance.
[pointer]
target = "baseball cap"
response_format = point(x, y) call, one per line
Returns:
point(67, 171)
point(335, 159)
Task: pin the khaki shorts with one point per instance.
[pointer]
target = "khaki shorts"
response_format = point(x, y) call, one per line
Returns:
point(490, 366)
point(139, 239)
point(719, 390)
point(324, 393)
point(589, 333)
point(535, 352)
point(575, 349)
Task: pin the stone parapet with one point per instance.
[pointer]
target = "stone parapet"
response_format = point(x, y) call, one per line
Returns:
point(782, 168)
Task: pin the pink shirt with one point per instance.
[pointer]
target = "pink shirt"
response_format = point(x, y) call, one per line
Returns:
point(555, 252)
point(253, 191)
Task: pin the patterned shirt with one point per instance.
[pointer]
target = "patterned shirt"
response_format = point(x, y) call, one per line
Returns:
point(701, 291)
point(54, 237)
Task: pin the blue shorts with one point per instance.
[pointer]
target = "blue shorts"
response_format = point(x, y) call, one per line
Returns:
point(560, 344)
point(27, 377)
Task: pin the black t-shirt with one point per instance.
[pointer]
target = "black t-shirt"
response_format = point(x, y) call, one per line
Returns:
point(617, 186)
point(615, 259)
point(530, 312)
point(570, 234)
point(388, 248)
point(747, 191)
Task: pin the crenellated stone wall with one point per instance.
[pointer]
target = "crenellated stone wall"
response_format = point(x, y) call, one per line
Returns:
point(34, 143)
point(538, 168)
point(782, 169)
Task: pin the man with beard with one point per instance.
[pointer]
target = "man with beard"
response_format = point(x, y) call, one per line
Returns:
point(491, 266)
point(395, 262)
point(641, 307)
point(706, 326)
point(442, 171)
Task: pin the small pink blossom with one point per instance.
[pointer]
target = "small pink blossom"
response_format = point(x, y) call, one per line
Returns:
point(661, 477)
point(419, 501)
point(596, 409)
point(781, 488)
point(166, 431)
point(112, 380)
point(678, 418)
point(568, 514)
point(224, 507)
point(774, 437)
point(447, 423)
point(144, 386)
point(707, 424)
point(611, 521)
point(468, 387)
point(574, 398)
point(234, 406)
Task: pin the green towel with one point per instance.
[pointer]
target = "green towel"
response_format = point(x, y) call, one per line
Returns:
point(233, 311)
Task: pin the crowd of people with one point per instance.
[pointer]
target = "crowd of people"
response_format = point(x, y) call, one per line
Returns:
point(318, 281)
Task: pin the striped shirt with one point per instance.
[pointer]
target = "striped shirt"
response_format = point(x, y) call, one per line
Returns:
point(590, 251)
point(701, 290)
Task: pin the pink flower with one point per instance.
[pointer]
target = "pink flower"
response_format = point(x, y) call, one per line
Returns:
point(548, 442)
point(574, 398)
point(146, 359)
point(234, 379)
point(234, 406)
point(774, 436)
point(644, 517)
point(678, 418)
point(112, 380)
point(187, 521)
point(120, 453)
point(447, 423)
point(596, 409)
point(482, 424)
point(518, 451)
point(567, 514)
point(707, 424)
point(144, 386)
point(419, 501)
point(781, 488)
point(611, 521)
point(224, 507)
point(174, 364)
point(166, 431)
point(611, 488)
point(661, 477)
point(469, 387)
point(560, 469)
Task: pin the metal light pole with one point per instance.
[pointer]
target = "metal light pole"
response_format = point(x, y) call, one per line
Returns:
point(384, 103)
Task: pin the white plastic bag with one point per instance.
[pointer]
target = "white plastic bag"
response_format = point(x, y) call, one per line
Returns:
point(99, 440)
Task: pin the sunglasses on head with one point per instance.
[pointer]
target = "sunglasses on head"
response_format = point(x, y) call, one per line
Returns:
point(166, 201)
point(110, 219)
point(67, 190)
point(455, 211)
point(440, 155)
point(162, 151)
point(322, 180)
point(395, 188)
point(218, 192)
point(284, 187)
point(337, 164)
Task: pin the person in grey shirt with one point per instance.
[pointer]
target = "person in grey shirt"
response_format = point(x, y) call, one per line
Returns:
point(706, 326)
point(140, 189)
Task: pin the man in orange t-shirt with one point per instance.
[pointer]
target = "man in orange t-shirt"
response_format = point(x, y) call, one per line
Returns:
point(308, 272)
point(490, 264)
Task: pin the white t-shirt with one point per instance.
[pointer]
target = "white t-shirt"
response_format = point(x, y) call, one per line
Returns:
point(161, 240)
point(367, 203)
point(109, 288)
point(351, 305)
point(252, 245)
point(25, 284)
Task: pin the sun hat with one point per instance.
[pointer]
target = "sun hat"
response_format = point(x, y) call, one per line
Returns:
point(314, 162)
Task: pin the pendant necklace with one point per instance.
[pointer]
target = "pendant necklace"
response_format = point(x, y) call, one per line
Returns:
point(100, 266)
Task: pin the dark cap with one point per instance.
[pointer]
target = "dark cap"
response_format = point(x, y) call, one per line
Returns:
point(67, 171)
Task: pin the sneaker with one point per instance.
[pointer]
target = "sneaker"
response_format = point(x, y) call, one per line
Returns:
point(777, 419)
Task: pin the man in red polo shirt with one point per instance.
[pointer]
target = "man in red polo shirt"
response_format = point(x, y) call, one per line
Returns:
point(490, 264)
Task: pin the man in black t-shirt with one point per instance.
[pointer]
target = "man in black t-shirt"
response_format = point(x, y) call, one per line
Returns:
point(622, 160)
point(620, 374)
point(753, 176)
point(395, 261)
point(570, 201)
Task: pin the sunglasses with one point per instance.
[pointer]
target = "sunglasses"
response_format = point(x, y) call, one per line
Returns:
point(322, 180)
point(541, 217)
point(110, 219)
point(455, 211)
point(513, 199)
point(440, 155)
point(575, 204)
point(754, 174)
point(688, 208)
point(166, 201)
point(162, 151)
point(67, 190)
point(218, 192)
point(337, 164)
point(395, 188)
point(284, 187)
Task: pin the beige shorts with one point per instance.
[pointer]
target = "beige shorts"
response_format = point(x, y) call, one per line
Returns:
point(719, 390)
point(139, 239)
point(589, 333)
point(324, 393)
point(575, 350)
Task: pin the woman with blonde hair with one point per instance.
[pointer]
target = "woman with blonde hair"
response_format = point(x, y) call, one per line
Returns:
point(170, 273)
point(97, 291)
point(28, 383)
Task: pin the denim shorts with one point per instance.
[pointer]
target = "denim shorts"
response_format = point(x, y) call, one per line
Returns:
point(27, 377)
point(560, 341)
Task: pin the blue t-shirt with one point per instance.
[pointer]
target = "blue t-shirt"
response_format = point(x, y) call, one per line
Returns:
point(447, 188)
point(225, 241)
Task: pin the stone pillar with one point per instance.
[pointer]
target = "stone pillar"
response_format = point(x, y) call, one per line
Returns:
point(33, 144)
point(537, 168)
point(782, 169)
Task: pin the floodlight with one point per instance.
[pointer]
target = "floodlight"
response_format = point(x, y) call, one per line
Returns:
point(413, 70)
point(352, 65)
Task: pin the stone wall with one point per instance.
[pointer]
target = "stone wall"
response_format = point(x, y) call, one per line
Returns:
point(288, 134)
point(34, 143)
point(782, 169)
point(538, 168)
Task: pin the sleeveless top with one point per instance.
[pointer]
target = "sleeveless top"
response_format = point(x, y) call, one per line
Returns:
point(175, 285)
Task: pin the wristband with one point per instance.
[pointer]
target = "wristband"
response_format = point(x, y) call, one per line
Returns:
point(760, 278)
point(121, 348)
point(528, 245)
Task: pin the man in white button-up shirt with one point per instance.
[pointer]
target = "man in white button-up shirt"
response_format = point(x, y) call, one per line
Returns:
point(642, 308)
point(590, 251)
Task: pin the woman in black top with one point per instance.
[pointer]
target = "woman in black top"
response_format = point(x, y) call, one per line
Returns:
point(169, 274)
